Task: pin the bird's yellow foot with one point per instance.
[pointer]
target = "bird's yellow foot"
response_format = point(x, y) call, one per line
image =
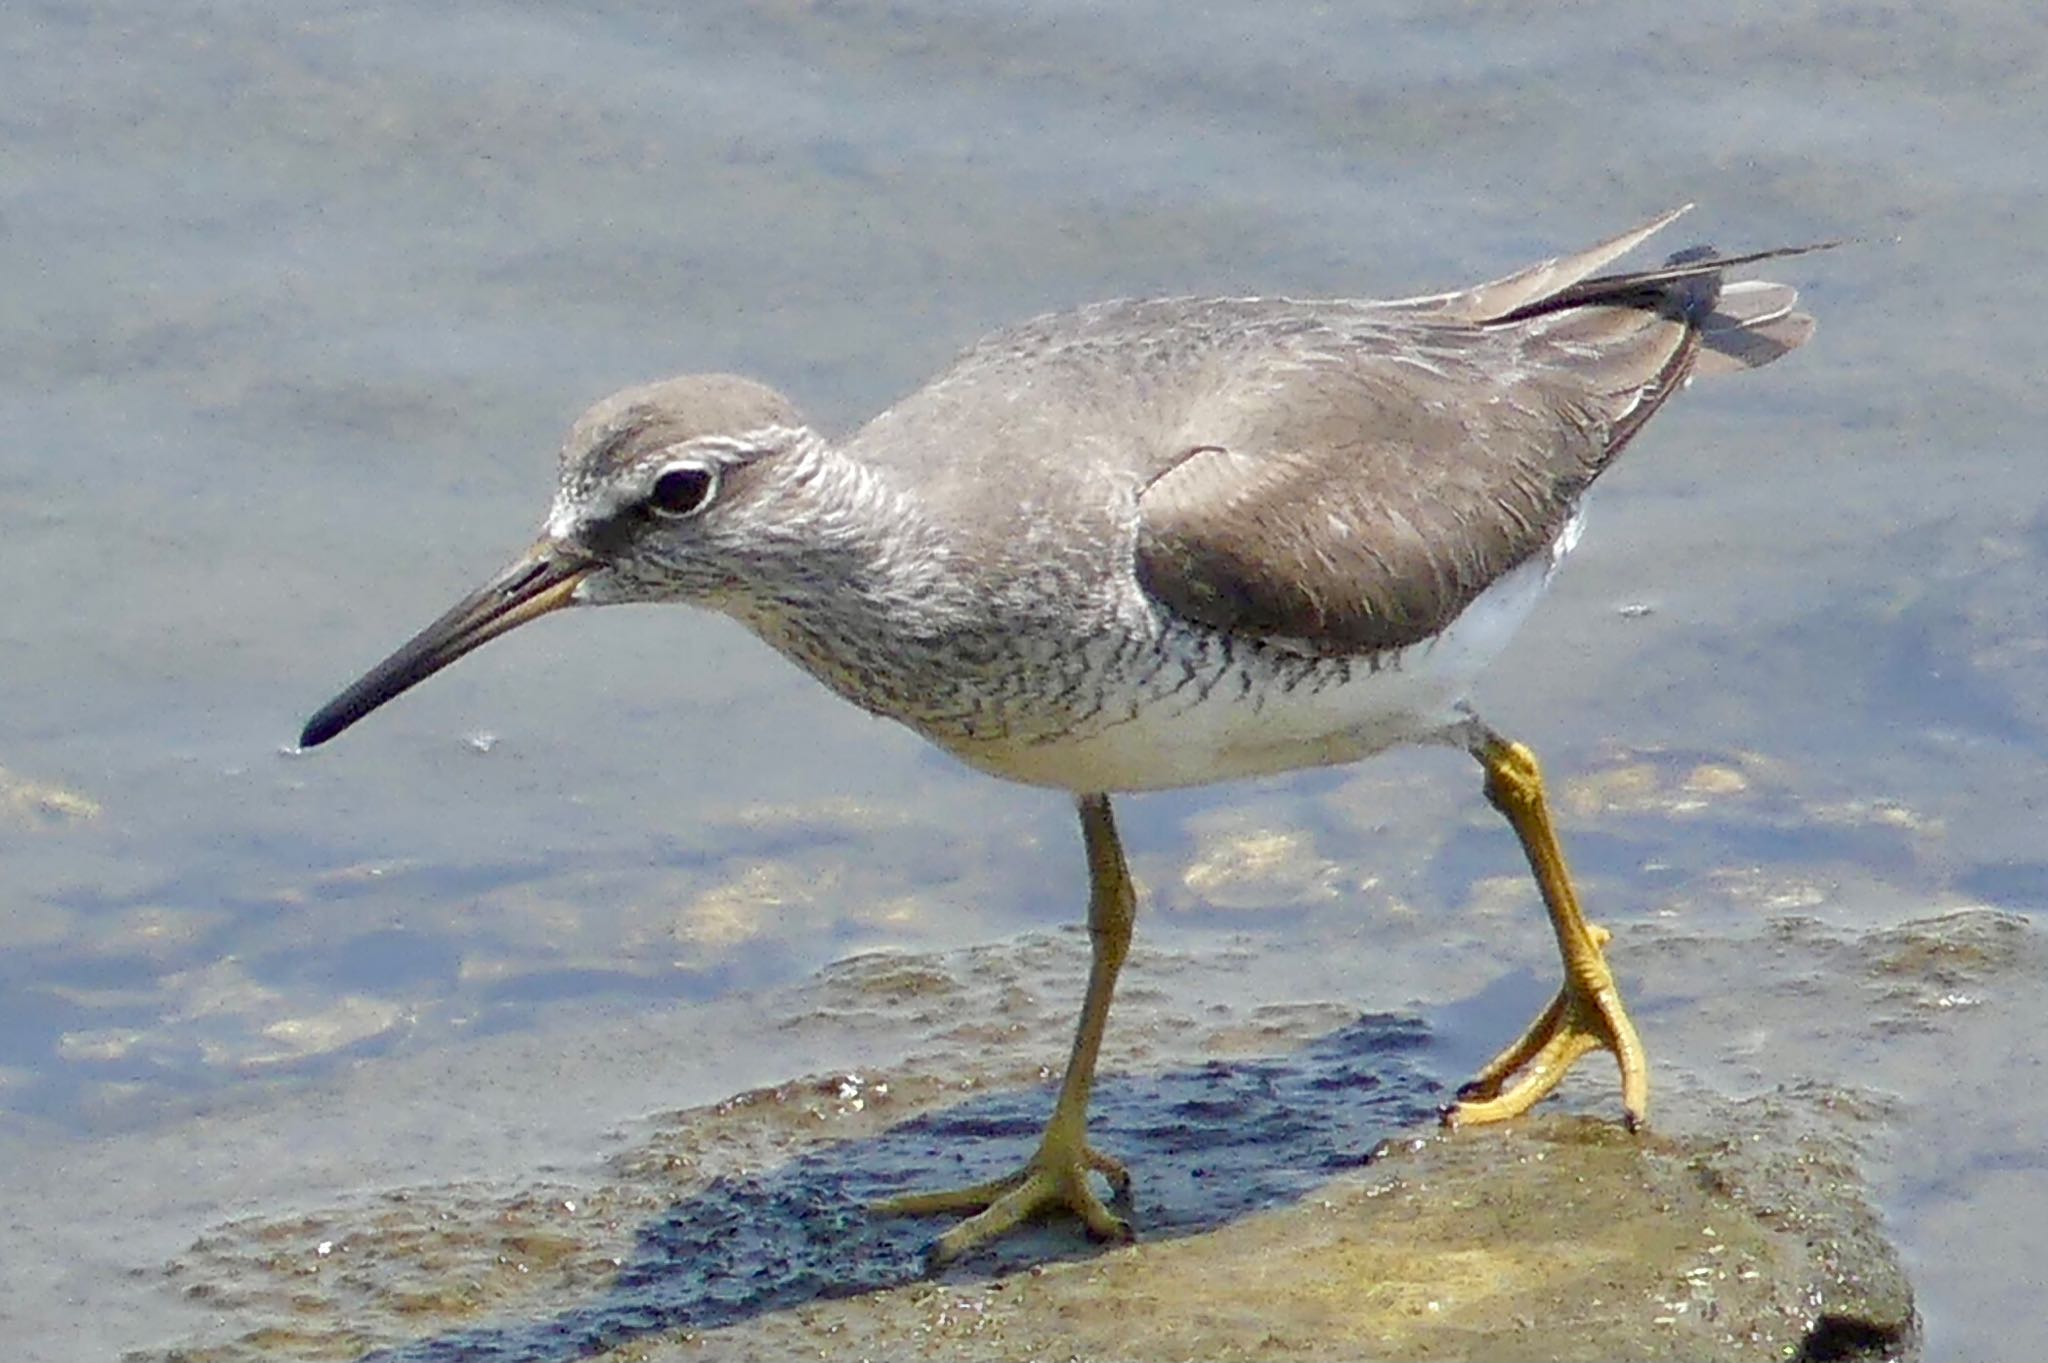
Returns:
point(1054, 1179)
point(1585, 1016)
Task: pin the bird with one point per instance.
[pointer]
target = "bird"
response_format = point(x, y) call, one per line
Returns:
point(1156, 543)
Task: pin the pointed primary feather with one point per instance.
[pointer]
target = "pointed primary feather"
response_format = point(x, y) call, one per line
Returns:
point(1533, 283)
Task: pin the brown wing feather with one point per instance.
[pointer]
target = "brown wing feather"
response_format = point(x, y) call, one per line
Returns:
point(1357, 498)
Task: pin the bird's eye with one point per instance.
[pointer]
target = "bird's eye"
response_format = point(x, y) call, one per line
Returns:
point(682, 490)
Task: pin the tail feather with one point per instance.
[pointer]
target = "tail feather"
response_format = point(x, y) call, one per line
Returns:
point(1751, 345)
point(1741, 324)
point(1749, 303)
point(1678, 277)
point(1745, 324)
point(1752, 323)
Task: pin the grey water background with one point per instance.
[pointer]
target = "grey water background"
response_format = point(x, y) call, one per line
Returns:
point(299, 301)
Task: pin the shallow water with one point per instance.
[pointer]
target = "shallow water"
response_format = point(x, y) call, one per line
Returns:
point(301, 303)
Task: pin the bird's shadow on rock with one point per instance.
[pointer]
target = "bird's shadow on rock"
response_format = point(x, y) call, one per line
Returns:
point(1207, 1144)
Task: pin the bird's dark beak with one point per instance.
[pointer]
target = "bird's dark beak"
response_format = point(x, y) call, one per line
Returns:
point(541, 580)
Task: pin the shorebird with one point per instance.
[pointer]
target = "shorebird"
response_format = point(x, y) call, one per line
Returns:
point(1151, 544)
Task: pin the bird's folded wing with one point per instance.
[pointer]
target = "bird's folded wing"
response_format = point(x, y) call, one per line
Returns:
point(1359, 502)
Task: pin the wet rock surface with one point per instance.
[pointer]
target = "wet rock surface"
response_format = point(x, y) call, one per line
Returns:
point(1564, 1238)
point(1294, 1197)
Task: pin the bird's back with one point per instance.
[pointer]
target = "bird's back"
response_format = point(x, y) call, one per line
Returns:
point(1344, 475)
point(1217, 537)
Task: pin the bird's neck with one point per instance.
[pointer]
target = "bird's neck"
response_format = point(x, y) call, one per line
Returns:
point(857, 573)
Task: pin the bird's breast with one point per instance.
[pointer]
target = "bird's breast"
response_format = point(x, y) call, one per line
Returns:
point(1189, 707)
point(1108, 691)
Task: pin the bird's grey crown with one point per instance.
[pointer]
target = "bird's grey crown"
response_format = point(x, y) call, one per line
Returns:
point(631, 426)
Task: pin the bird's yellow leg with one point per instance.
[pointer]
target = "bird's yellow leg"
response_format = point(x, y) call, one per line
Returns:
point(1055, 1178)
point(1587, 1014)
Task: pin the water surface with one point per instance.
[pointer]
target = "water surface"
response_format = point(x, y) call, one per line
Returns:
point(301, 301)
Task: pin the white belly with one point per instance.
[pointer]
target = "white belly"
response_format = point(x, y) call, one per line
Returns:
point(1182, 740)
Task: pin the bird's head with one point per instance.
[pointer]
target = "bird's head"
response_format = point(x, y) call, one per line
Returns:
point(659, 490)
